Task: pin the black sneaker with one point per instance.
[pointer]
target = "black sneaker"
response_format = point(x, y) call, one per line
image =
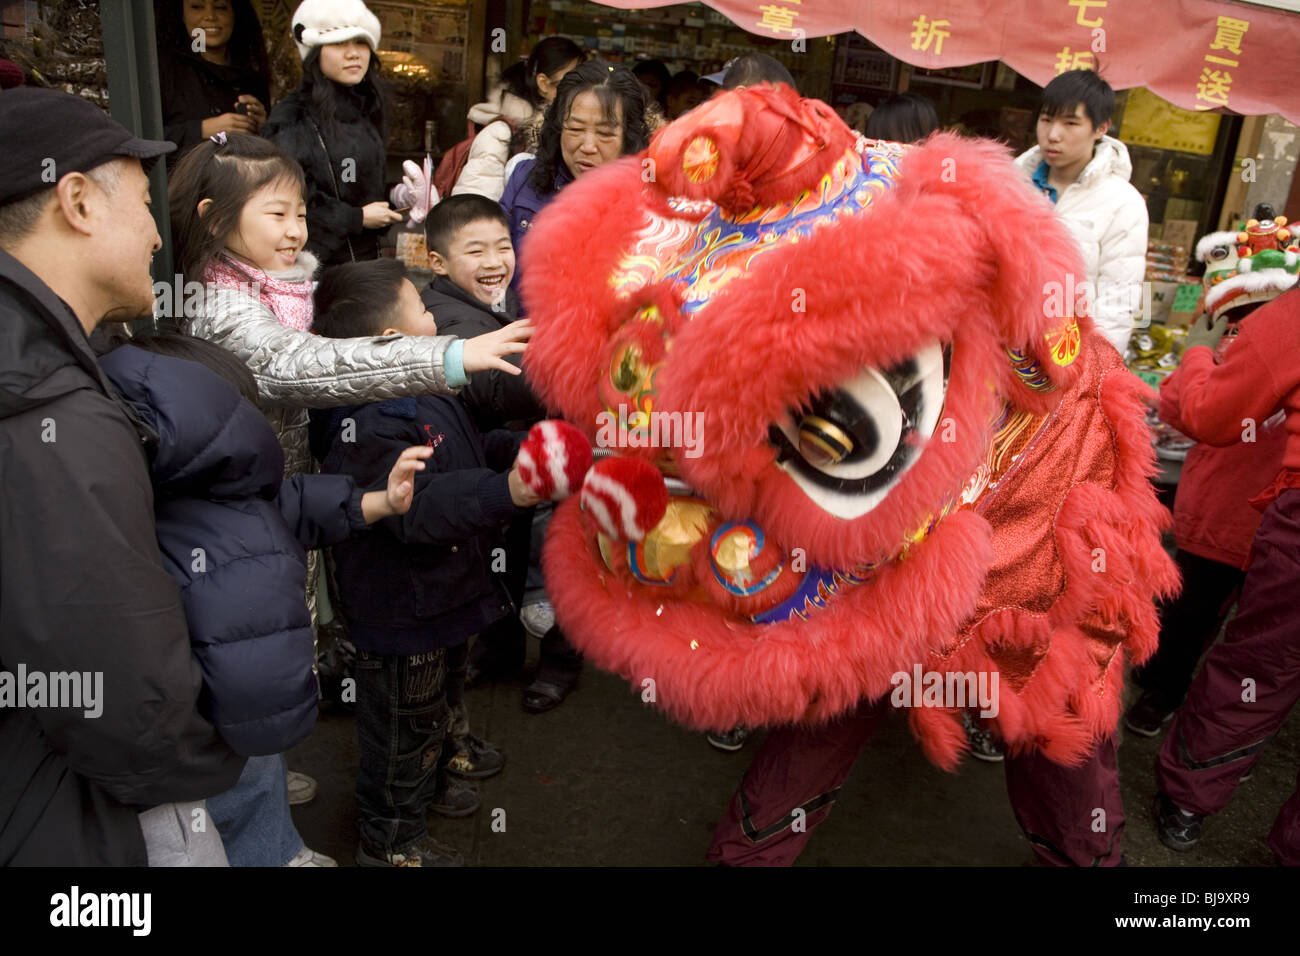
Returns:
point(983, 745)
point(729, 740)
point(475, 759)
point(428, 852)
point(1148, 715)
point(1178, 829)
point(456, 799)
point(543, 695)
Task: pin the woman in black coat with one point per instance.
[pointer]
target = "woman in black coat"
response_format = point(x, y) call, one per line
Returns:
point(222, 86)
point(335, 126)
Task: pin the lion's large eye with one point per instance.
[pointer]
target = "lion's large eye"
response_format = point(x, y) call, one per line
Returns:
point(823, 442)
point(847, 446)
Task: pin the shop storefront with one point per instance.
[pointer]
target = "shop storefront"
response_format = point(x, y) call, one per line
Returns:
point(1201, 63)
point(688, 36)
point(1200, 157)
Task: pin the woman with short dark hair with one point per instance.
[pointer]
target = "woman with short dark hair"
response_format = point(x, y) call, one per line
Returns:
point(512, 115)
point(598, 115)
point(902, 118)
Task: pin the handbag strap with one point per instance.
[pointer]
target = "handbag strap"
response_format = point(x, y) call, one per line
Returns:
point(329, 164)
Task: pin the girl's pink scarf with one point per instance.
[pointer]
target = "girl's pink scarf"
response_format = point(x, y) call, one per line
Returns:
point(287, 294)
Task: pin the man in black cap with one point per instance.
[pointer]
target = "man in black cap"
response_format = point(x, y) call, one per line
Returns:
point(98, 689)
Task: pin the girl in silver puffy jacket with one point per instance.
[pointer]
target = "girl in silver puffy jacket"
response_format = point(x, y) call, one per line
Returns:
point(239, 223)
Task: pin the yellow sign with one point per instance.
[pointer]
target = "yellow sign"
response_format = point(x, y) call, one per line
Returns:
point(1151, 121)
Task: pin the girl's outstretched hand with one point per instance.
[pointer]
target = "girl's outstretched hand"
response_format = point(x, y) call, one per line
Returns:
point(401, 486)
point(485, 351)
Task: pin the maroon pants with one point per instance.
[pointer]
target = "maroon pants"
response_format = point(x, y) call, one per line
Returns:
point(1247, 687)
point(797, 774)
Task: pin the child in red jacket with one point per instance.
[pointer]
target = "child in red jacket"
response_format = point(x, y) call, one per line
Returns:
point(1214, 522)
point(1251, 680)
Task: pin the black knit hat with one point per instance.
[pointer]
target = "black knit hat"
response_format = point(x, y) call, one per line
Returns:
point(48, 134)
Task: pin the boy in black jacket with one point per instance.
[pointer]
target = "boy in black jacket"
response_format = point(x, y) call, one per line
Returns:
point(417, 588)
point(473, 261)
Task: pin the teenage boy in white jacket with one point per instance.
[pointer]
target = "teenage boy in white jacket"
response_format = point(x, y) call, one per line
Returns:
point(1086, 174)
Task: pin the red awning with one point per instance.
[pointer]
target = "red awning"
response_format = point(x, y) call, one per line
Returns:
point(1198, 54)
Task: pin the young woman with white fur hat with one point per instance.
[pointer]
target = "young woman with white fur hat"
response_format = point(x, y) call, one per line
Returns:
point(335, 125)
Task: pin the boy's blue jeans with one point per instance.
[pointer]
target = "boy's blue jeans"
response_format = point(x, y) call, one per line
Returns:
point(403, 724)
point(253, 816)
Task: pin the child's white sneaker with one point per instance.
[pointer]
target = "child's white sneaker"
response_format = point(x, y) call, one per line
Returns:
point(309, 857)
point(538, 618)
point(302, 788)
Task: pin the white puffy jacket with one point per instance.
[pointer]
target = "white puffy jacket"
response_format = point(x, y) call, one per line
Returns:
point(1108, 218)
point(485, 167)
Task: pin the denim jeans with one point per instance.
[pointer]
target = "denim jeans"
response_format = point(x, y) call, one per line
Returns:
point(457, 664)
point(253, 816)
point(403, 721)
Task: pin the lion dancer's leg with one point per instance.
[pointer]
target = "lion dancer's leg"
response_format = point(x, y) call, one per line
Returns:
point(1249, 683)
point(1057, 807)
point(1284, 838)
point(790, 788)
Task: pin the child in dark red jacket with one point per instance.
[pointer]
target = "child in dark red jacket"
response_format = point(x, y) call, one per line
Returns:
point(1251, 680)
point(1214, 525)
point(417, 588)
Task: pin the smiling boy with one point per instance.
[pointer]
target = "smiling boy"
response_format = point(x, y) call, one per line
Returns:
point(1086, 174)
point(472, 256)
point(473, 261)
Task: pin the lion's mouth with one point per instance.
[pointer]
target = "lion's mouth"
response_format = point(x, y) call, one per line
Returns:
point(734, 566)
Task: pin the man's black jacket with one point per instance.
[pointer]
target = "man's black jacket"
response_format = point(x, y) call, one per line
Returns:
point(82, 588)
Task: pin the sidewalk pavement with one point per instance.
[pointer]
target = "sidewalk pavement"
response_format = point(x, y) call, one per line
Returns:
point(604, 780)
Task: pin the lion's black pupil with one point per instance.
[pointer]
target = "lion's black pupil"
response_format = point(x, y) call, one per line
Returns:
point(840, 409)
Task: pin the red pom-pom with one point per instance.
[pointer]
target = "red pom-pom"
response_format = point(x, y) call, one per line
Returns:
point(626, 497)
point(553, 459)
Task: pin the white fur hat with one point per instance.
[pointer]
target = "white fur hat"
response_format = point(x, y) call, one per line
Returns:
point(321, 22)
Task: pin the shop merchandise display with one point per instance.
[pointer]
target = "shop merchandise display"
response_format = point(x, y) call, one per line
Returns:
point(1244, 268)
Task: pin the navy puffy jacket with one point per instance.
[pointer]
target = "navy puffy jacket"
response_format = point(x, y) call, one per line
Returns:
point(232, 532)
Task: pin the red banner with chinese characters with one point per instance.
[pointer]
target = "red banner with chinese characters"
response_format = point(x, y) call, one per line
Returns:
point(1198, 54)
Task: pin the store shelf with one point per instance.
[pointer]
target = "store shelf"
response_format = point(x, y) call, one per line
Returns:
point(685, 36)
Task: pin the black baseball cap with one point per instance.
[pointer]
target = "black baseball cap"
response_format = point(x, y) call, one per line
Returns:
point(38, 126)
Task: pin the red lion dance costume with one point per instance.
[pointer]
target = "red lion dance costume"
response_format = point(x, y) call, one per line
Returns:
point(911, 451)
